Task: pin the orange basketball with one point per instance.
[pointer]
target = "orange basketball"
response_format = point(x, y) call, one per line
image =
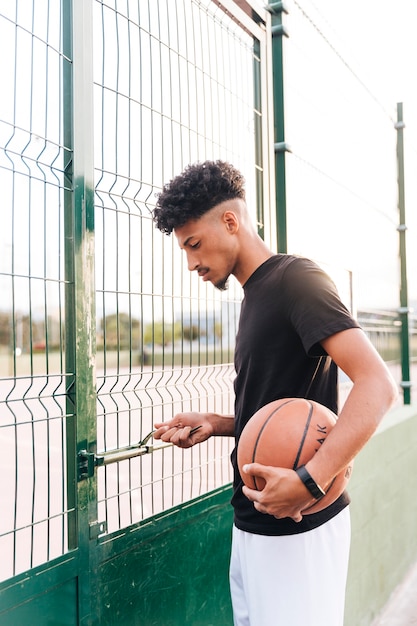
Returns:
point(287, 433)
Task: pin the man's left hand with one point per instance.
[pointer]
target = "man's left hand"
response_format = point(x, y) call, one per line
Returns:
point(284, 495)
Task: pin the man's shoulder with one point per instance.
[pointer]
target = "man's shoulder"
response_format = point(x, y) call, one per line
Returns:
point(293, 267)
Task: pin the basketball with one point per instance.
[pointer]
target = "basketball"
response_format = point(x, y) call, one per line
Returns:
point(287, 433)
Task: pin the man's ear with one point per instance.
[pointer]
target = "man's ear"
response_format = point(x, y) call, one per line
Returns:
point(231, 220)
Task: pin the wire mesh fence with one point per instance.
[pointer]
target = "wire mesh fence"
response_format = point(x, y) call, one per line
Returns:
point(32, 386)
point(174, 82)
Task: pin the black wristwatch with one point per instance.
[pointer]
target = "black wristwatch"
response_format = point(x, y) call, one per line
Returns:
point(315, 489)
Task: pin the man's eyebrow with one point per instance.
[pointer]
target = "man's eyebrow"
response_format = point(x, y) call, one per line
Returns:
point(187, 241)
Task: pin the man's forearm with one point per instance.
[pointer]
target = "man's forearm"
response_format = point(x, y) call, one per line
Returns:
point(223, 425)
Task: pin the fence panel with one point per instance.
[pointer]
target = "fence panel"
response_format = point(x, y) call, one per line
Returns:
point(174, 83)
point(33, 412)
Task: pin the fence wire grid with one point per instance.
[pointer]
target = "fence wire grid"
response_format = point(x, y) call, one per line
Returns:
point(174, 83)
point(32, 384)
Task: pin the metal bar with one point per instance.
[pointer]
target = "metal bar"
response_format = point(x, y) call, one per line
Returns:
point(241, 11)
point(403, 310)
point(70, 426)
point(122, 454)
point(278, 33)
point(259, 162)
point(129, 452)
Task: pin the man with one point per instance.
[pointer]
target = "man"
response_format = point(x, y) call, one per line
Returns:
point(286, 568)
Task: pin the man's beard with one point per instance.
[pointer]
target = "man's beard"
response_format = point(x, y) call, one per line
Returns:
point(223, 284)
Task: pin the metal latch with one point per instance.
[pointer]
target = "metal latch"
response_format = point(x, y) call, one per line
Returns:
point(86, 464)
point(97, 529)
point(88, 461)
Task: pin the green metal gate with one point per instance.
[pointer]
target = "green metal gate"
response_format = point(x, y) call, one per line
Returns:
point(103, 331)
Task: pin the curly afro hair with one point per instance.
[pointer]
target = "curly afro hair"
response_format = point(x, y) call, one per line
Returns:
point(199, 188)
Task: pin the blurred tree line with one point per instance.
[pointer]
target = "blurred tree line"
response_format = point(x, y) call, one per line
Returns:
point(115, 331)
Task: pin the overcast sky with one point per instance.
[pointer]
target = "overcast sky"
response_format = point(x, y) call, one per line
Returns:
point(378, 38)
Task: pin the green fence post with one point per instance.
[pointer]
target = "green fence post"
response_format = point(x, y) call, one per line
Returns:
point(278, 31)
point(403, 310)
point(80, 322)
point(70, 422)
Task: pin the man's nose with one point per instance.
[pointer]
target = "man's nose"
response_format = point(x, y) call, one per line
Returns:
point(192, 261)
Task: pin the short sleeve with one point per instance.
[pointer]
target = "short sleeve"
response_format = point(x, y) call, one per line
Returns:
point(314, 307)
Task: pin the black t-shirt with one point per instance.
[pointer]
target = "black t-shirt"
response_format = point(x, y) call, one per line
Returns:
point(290, 305)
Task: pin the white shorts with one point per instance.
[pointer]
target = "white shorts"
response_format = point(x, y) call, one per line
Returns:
point(291, 580)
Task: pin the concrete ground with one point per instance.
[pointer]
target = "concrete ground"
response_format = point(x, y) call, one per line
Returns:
point(401, 609)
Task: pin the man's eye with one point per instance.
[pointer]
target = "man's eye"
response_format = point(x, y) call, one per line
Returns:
point(195, 245)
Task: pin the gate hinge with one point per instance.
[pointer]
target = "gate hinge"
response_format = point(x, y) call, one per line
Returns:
point(86, 464)
point(97, 529)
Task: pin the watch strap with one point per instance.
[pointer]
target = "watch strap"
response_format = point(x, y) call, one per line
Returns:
point(315, 489)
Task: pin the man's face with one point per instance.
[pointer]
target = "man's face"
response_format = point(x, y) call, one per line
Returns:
point(210, 246)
